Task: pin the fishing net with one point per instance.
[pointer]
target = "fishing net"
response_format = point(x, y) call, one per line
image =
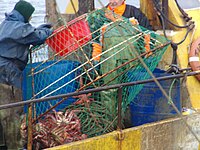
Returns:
point(67, 63)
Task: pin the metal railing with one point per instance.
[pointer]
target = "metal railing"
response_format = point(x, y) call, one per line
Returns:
point(116, 86)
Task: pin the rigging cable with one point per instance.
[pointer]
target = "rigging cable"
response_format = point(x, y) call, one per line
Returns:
point(185, 15)
point(190, 26)
point(165, 17)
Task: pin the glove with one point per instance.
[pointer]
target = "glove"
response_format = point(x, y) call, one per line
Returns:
point(46, 25)
point(133, 21)
point(97, 49)
point(147, 40)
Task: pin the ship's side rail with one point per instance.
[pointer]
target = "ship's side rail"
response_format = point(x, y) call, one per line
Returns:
point(119, 121)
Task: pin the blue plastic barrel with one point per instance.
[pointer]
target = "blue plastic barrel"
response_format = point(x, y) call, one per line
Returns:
point(48, 76)
point(151, 105)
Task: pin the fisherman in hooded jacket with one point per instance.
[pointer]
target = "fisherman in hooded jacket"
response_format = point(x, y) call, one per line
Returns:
point(16, 37)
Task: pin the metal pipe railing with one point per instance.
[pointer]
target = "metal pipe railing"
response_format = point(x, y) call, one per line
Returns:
point(5, 106)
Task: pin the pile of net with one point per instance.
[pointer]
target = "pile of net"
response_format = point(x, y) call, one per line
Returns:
point(66, 64)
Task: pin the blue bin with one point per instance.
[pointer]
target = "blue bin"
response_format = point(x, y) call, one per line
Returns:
point(150, 104)
point(47, 77)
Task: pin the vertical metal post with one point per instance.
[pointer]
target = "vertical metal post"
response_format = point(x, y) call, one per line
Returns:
point(30, 131)
point(165, 11)
point(119, 126)
point(30, 112)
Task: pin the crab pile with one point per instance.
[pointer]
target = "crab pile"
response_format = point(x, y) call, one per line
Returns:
point(57, 128)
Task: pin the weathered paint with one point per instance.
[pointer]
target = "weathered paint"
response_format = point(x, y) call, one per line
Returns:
point(149, 11)
point(131, 139)
point(192, 84)
point(171, 134)
point(174, 15)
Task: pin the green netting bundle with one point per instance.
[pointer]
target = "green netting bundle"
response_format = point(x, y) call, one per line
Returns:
point(123, 45)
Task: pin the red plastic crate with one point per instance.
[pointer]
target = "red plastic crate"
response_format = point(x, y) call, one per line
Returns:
point(68, 38)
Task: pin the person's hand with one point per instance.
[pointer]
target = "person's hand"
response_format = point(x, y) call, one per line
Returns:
point(133, 21)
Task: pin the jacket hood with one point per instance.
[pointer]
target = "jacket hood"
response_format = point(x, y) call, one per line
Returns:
point(14, 15)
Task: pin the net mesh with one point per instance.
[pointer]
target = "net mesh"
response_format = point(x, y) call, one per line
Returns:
point(65, 63)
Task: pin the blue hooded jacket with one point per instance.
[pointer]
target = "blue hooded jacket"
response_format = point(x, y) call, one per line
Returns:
point(16, 36)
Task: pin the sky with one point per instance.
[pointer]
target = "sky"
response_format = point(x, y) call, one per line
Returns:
point(38, 17)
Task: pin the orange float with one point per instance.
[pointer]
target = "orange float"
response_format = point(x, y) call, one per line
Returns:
point(194, 56)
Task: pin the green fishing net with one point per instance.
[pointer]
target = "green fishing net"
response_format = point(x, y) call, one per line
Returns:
point(65, 64)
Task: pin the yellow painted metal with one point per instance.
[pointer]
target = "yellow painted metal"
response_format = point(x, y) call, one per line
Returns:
point(72, 7)
point(174, 15)
point(192, 84)
point(146, 6)
point(167, 134)
point(131, 140)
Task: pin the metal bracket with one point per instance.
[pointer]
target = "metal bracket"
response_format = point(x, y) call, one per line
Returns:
point(120, 136)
